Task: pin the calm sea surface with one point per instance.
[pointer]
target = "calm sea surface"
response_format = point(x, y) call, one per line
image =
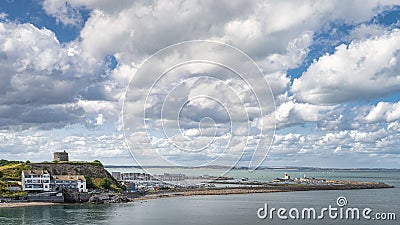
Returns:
point(229, 209)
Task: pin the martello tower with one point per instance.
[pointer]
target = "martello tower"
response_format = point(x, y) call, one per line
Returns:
point(61, 156)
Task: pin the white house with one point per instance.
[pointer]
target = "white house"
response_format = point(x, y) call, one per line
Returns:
point(35, 180)
point(77, 182)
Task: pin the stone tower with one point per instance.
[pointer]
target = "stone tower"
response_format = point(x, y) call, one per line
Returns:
point(60, 156)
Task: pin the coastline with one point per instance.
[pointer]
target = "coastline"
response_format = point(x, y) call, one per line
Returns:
point(212, 191)
point(26, 204)
point(227, 191)
point(157, 195)
point(262, 189)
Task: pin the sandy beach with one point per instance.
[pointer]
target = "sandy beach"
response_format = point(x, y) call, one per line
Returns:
point(25, 204)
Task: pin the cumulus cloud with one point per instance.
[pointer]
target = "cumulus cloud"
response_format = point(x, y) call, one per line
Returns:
point(339, 148)
point(364, 32)
point(291, 113)
point(258, 28)
point(63, 12)
point(360, 71)
point(384, 111)
point(41, 80)
point(45, 84)
point(40, 145)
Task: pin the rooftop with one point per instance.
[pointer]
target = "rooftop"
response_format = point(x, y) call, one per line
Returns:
point(69, 177)
point(34, 172)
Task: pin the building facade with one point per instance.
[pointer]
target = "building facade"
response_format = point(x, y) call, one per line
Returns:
point(128, 177)
point(35, 180)
point(60, 156)
point(68, 182)
point(42, 181)
point(116, 175)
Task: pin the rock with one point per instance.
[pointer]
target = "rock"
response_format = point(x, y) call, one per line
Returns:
point(108, 198)
point(95, 199)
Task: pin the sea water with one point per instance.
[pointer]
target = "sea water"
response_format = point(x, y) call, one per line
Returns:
point(224, 209)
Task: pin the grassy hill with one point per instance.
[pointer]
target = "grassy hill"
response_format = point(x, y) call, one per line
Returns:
point(12, 170)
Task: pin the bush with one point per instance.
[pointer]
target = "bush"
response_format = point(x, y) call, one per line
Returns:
point(105, 183)
point(89, 183)
point(4, 162)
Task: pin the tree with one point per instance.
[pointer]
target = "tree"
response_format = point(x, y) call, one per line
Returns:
point(89, 182)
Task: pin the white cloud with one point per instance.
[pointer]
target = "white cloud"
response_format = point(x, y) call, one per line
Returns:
point(290, 113)
point(41, 81)
point(384, 111)
point(346, 148)
point(364, 32)
point(3, 15)
point(46, 85)
point(258, 28)
point(38, 146)
point(100, 119)
point(394, 127)
point(63, 12)
point(360, 71)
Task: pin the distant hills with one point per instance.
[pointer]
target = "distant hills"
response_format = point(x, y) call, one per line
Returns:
point(302, 168)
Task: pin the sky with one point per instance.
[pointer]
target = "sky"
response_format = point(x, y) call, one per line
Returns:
point(277, 83)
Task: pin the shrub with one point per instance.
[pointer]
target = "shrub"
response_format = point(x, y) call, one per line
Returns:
point(105, 183)
point(89, 182)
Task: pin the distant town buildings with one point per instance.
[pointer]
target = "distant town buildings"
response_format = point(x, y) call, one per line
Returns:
point(116, 175)
point(60, 156)
point(286, 177)
point(127, 177)
point(144, 181)
point(299, 180)
point(172, 177)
